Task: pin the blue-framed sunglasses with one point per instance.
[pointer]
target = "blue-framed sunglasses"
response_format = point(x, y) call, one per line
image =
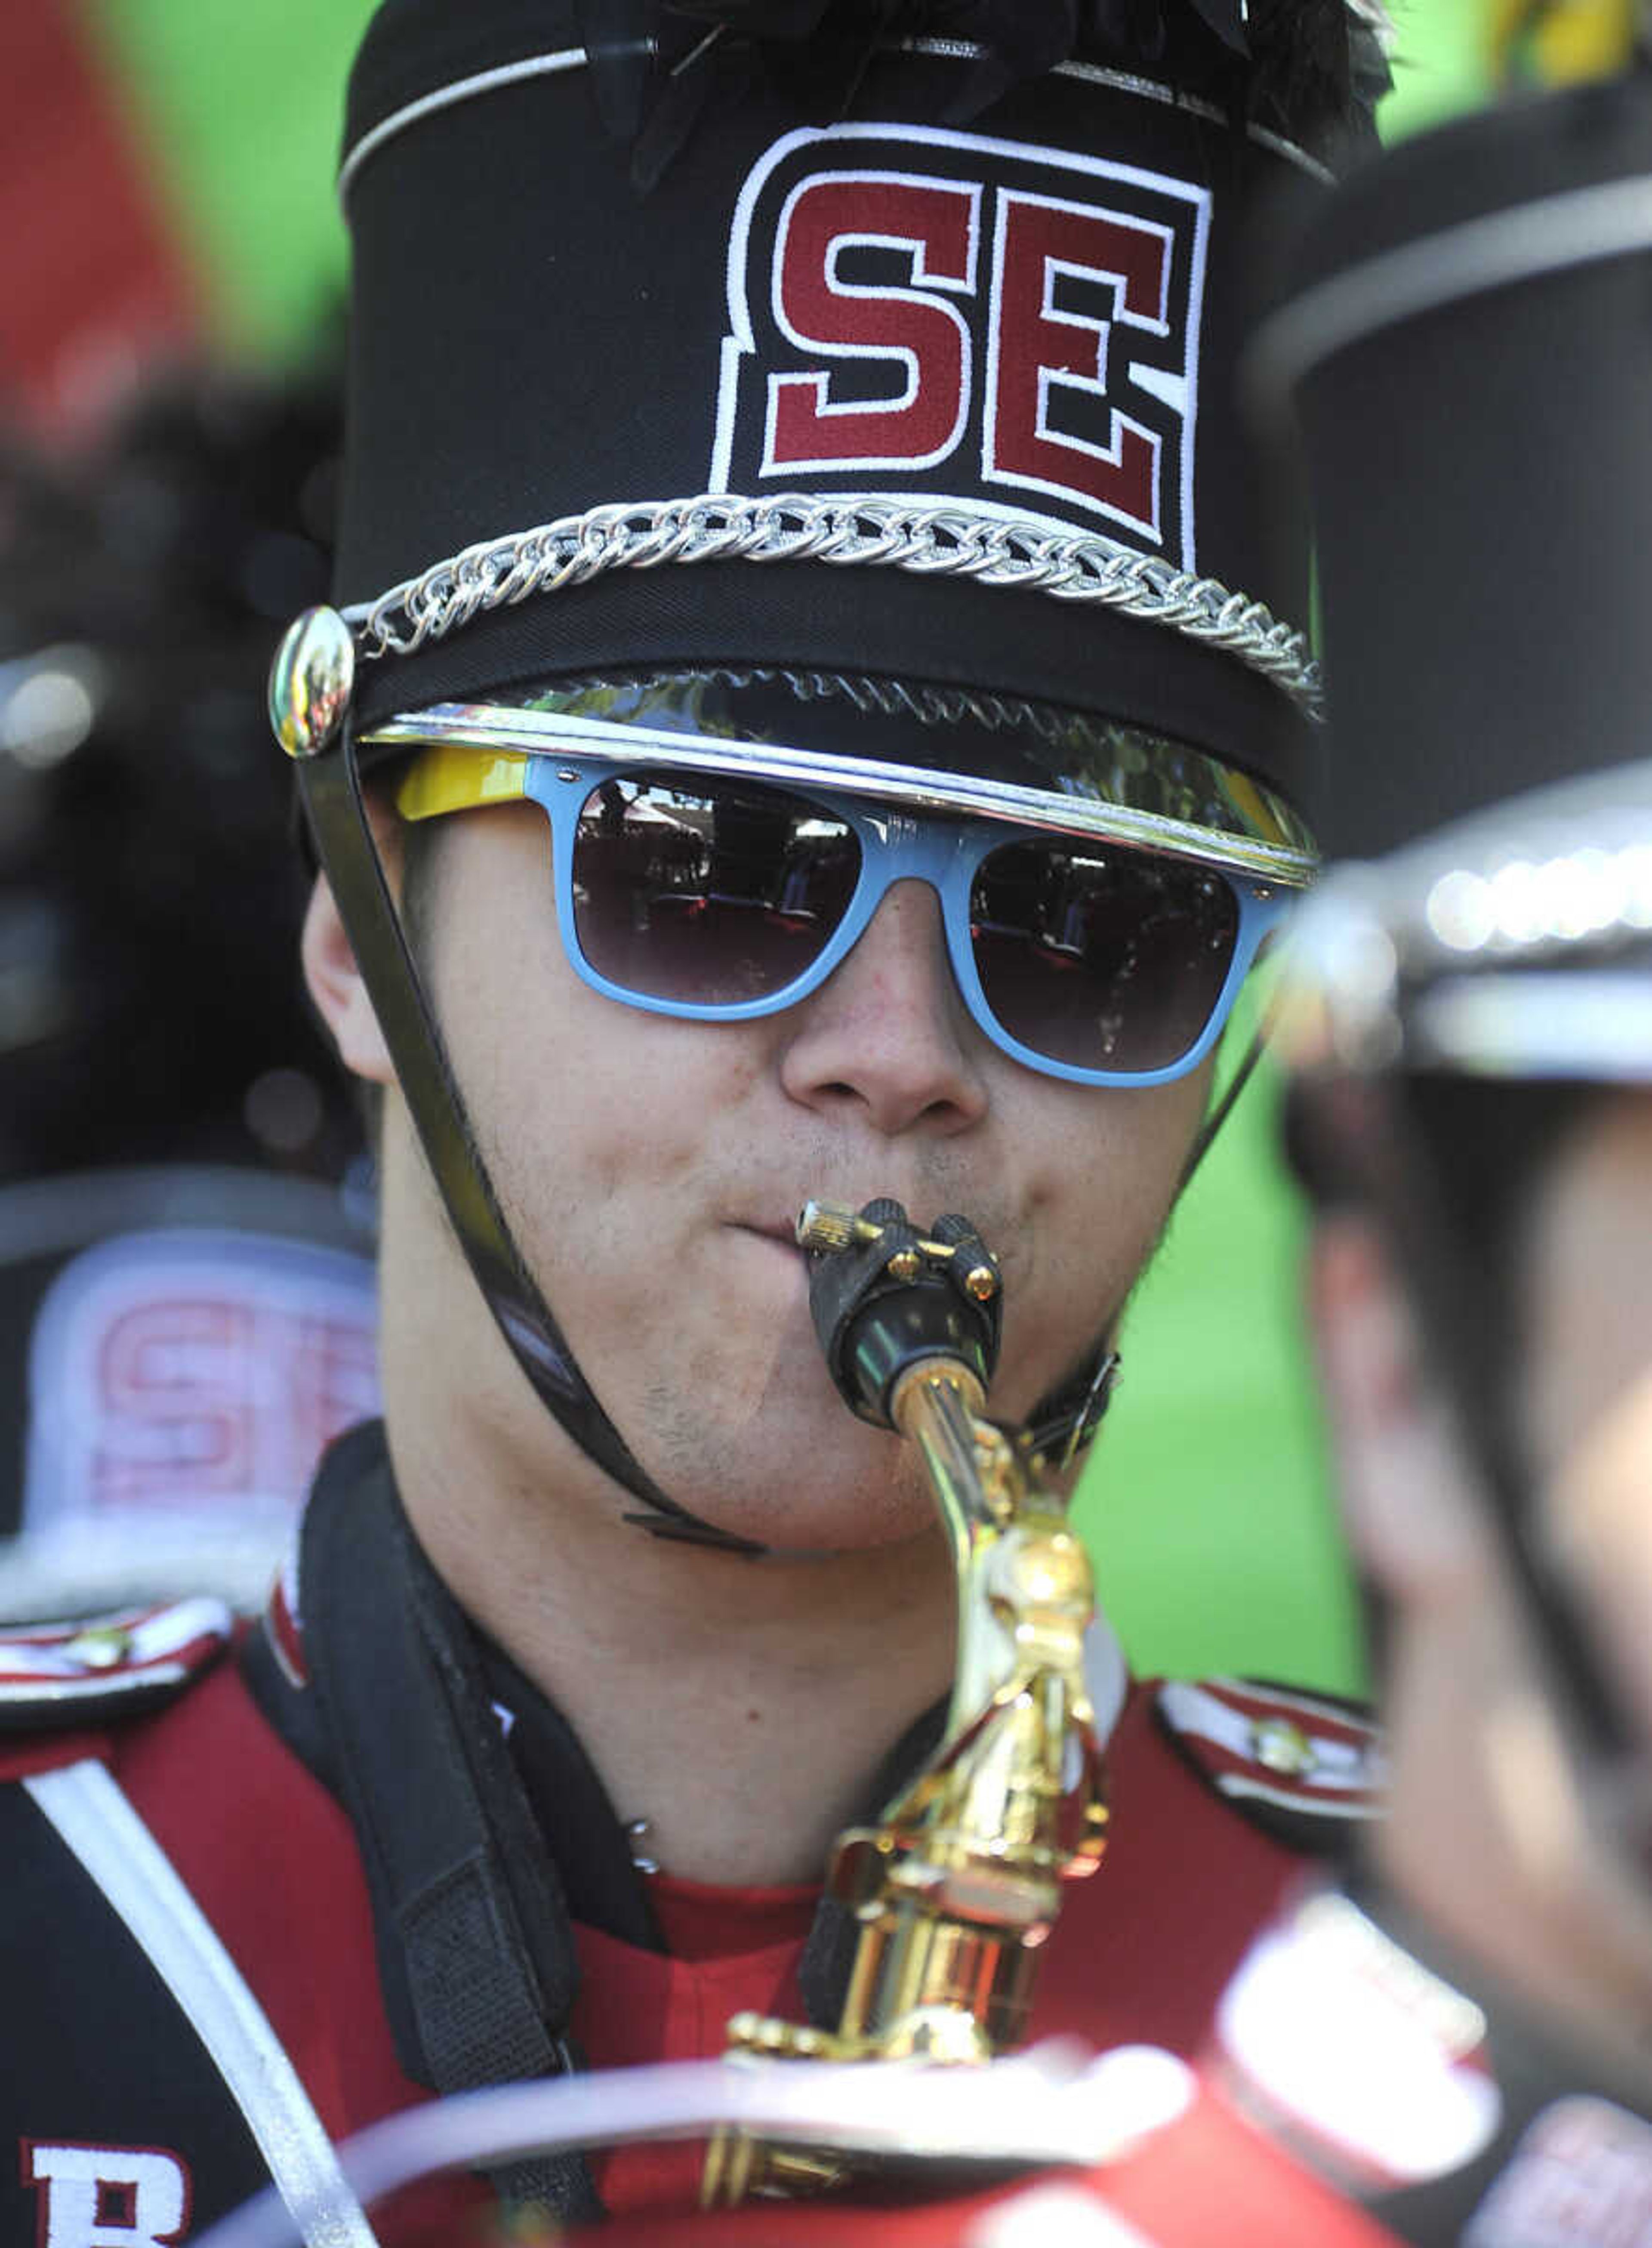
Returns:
point(718, 897)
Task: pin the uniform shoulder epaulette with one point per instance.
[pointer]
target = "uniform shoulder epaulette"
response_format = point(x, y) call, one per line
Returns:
point(83, 1673)
point(1302, 1767)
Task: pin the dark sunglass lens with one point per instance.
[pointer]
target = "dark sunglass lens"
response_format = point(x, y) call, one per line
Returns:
point(1099, 957)
point(707, 892)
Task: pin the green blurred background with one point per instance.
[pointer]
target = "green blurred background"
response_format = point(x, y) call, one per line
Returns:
point(1207, 1502)
point(239, 110)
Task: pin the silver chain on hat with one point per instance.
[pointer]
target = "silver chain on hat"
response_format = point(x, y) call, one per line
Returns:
point(847, 530)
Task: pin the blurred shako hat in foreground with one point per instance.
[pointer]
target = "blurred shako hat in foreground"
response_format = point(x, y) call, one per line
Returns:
point(1467, 345)
point(947, 296)
point(1468, 349)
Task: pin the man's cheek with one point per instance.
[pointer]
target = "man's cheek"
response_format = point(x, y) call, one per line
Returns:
point(1597, 1530)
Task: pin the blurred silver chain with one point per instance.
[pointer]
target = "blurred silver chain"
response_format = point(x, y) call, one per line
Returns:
point(943, 541)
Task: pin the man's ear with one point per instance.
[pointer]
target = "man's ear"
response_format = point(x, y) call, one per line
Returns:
point(1406, 1490)
point(340, 995)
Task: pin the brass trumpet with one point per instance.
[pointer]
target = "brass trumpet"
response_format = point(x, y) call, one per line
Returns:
point(953, 1893)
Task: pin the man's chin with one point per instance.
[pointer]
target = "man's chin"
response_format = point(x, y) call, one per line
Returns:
point(800, 1510)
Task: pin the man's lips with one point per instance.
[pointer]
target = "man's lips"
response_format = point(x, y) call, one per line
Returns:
point(776, 1233)
point(780, 1230)
point(784, 1230)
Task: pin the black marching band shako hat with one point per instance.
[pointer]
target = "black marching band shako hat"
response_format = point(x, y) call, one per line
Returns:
point(1467, 347)
point(843, 383)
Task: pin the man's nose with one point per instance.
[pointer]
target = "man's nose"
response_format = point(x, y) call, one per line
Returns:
point(887, 1035)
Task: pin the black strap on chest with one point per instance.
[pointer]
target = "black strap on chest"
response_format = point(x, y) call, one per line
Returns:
point(479, 1853)
point(476, 1949)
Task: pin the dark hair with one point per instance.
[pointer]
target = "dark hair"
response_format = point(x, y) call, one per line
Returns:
point(1449, 1164)
point(1487, 1142)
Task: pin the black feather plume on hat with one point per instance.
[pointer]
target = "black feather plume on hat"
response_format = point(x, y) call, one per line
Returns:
point(1312, 70)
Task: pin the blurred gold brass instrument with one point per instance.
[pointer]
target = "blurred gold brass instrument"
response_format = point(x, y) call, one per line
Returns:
point(952, 1894)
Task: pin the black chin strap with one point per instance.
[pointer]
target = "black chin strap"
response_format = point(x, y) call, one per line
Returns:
point(1366, 1123)
point(1224, 1108)
point(330, 783)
